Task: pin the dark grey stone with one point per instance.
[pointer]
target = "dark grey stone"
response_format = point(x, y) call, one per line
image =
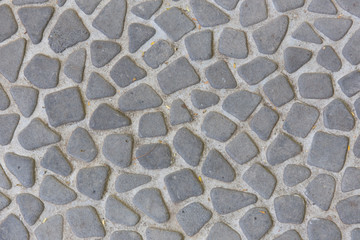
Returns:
point(260, 179)
point(355, 234)
point(146, 9)
point(154, 156)
point(322, 7)
point(98, 87)
point(12, 228)
point(295, 174)
point(253, 12)
point(242, 148)
point(152, 125)
point(125, 72)
point(55, 161)
point(75, 65)
point(4, 180)
point(218, 127)
point(55, 192)
point(81, 145)
point(105, 117)
point(220, 76)
point(279, 90)
point(24, 2)
point(256, 223)
point(125, 235)
point(323, 229)
point(158, 53)
point(222, 231)
point(351, 179)
point(348, 210)
point(92, 181)
point(288, 5)
point(207, 14)
point(290, 209)
point(139, 34)
point(351, 6)
point(8, 22)
point(51, 229)
point(337, 116)
point(306, 33)
point(102, 52)
point(22, 167)
point(233, 43)
point(87, 6)
point(217, 167)
point(227, 4)
point(179, 113)
point(189, 146)
point(203, 99)
point(328, 58)
point(117, 212)
point(281, 149)
point(4, 201)
point(320, 191)
point(257, 70)
point(199, 45)
point(4, 99)
point(128, 181)
point(350, 83)
point(8, 124)
point(30, 207)
point(161, 234)
point(351, 49)
point(117, 148)
point(26, 99)
point(263, 122)
point(315, 85)
point(14, 53)
point(333, 28)
point(295, 58)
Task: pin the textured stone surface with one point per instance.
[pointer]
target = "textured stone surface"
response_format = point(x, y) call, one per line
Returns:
point(98, 87)
point(9, 25)
point(161, 234)
point(218, 127)
point(220, 76)
point(322, 7)
point(152, 125)
point(260, 179)
point(321, 190)
point(295, 58)
point(282, 149)
point(222, 231)
point(337, 116)
point(87, 6)
point(30, 207)
point(257, 70)
point(128, 181)
point(321, 229)
point(117, 148)
point(81, 145)
point(295, 174)
point(350, 180)
point(158, 53)
point(199, 45)
point(139, 34)
point(350, 83)
point(203, 99)
point(233, 43)
point(179, 113)
point(333, 28)
point(12, 228)
point(306, 33)
point(207, 14)
point(55, 161)
point(146, 9)
point(117, 212)
point(102, 52)
point(22, 167)
point(14, 53)
point(154, 156)
point(216, 167)
point(53, 191)
point(105, 117)
point(8, 124)
point(242, 148)
point(256, 223)
point(26, 99)
point(75, 65)
point(263, 122)
point(351, 49)
point(290, 234)
point(125, 235)
point(328, 58)
point(290, 209)
point(125, 72)
point(253, 12)
point(52, 228)
point(92, 181)
point(348, 210)
point(315, 85)
point(279, 91)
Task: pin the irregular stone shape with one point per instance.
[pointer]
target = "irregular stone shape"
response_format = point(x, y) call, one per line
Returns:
point(333, 28)
point(348, 210)
point(117, 212)
point(64, 106)
point(216, 167)
point(8, 124)
point(220, 76)
point(351, 179)
point(55, 161)
point(51, 229)
point(188, 146)
point(183, 184)
point(257, 70)
point(4, 180)
point(207, 14)
point(139, 98)
point(290, 234)
point(81, 145)
point(322, 7)
point(242, 148)
point(295, 174)
point(264, 36)
point(55, 192)
point(110, 20)
point(227, 201)
point(323, 229)
point(356, 148)
point(222, 231)
point(282, 149)
point(252, 12)
point(279, 90)
point(87, 6)
point(203, 99)
point(117, 148)
point(260, 179)
point(30, 207)
point(158, 53)
point(233, 43)
point(295, 58)
point(85, 222)
point(4, 201)
point(13, 228)
point(98, 87)
point(351, 49)
point(357, 107)
point(139, 34)
point(174, 23)
point(288, 5)
point(179, 113)
point(306, 33)
point(218, 127)
point(125, 235)
point(125, 72)
point(193, 217)
point(128, 181)
point(256, 223)
point(24, 2)
point(263, 122)
point(102, 52)
point(351, 6)
point(4, 99)
point(227, 4)
point(290, 209)
point(35, 20)
point(105, 118)
point(75, 65)
point(355, 234)
point(241, 104)
point(14, 53)
point(199, 45)
point(328, 58)
point(22, 167)
point(92, 181)
point(43, 71)
point(171, 81)
point(154, 156)
point(315, 85)
point(146, 9)
point(350, 83)
point(321, 190)
point(328, 151)
point(8, 23)
point(337, 116)
point(25, 98)
point(152, 125)
point(150, 202)
point(161, 234)
point(61, 3)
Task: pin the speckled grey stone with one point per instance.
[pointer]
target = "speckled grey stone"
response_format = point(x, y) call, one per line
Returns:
point(30, 207)
point(51, 229)
point(290, 209)
point(351, 6)
point(306, 33)
point(199, 45)
point(315, 85)
point(128, 181)
point(92, 181)
point(179, 113)
point(154, 156)
point(4, 201)
point(87, 6)
point(279, 90)
point(220, 76)
point(295, 58)
point(227, 4)
point(256, 223)
point(322, 7)
point(222, 231)
point(207, 14)
point(193, 217)
point(233, 43)
point(138, 35)
point(242, 148)
point(117, 212)
point(125, 235)
point(117, 148)
point(263, 122)
point(348, 210)
point(355, 234)
point(13, 229)
point(351, 49)
point(14, 53)
point(75, 65)
point(4, 180)
point(281, 149)
point(337, 116)
point(26, 99)
point(333, 28)
point(125, 72)
point(55, 161)
point(218, 127)
point(288, 5)
point(253, 12)
point(146, 9)
point(8, 124)
point(4, 99)
point(8, 22)
point(102, 52)
point(152, 125)
point(105, 117)
point(188, 146)
point(203, 99)
point(55, 192)
point(323, 229)
point(351, 179)
point(161, 234)
point(81, 145)
point(24, 2)
point(328, 58)
point(320, 191)
point(260, 179)
point(158, 53)
point(217, 167)
point(289, 235)
point(295, 174)
point(257, 70)
point(350, 83)
point(98, 87)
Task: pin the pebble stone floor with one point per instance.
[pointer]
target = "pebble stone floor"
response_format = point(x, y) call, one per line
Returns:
point(170, 120)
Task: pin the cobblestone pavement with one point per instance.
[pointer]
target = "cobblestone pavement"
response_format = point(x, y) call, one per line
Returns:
point(170, 120)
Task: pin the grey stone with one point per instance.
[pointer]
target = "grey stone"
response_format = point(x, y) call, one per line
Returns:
point(8, 124)
point(351, 179)
point(146, 9)
point(26, 99)
point(263, 122)
point(351, 49)
point(203, 99)
point(241, 104)
point(320, 191)
point(227, 4)
point(328, 151)
point(67, 32)
point(351, 6)
point(356, 148)
point(350, 83)
point(55, 192)
point(98, 87)
point(4, 201)
point(75, 65)
point(256, 223)
point(323, 229)
point(328, 58)
point(260, 179)
point(24, 2)
point(174, 23)
point(348, 210)
point(85, 222)
point(207, 14)
point(193, 217)
point(35, 20)
point(152, 125)
point(43, 71)
point(333, 28)
point(92, 181)
point(128, 181)
point(322, 7)
point(22, 167)
point(154, 156)
point(139, 98)
point(337, 116)
point(222, 231)
point(4, 99)
point(264, 36)
point(8, 22)
point(55, 161)
point(306, 33)
point(290, 209)
point(289, 235)
point(281, 149)
point(61, 3)
point(279, 90)
point(87, 6)
point(218, 127)
point(51, 229)
point(217, 167)
point(295, 58)
point(106, 117)
point(171, 81)
point(183, 184)
point(355, 234)
point(288, 5)
point(242, 148)
point(125, 235)
point(13, 229)
point(30, 207)
point(179, 113)
point(257, 70)
point(139, 34)
point(81, 145)
point(161, 234)
point(233, 43)
point(4, 180)
point(199, 45)
point(189, 146)
point(110, 20)
point(64, 106)
point(315, 85)
point(125, 72)
point(158, 53)
point(117, 212)
point(220, 76)
point(227, 201)
point(14, 53)
point(295, 174)
point(150, 202)
point(117, 148)
point(102, 52)
point(357, 107)
point(253, 12)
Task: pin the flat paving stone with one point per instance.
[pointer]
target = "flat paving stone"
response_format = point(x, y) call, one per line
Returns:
point(154, 156)
point(126, 71)
point(355, 234)
point(4, 179)
point(333, 28)
point(98, 87)
point(22, 167)
point(218, 127)
point(161, 234)
point(12, 228)
point(350, 83)
point(320, 191)
point(53, 228)
point(207, 14)
point(323, 229)
point(128, 181)
point(158, 53)
point(55, 192)
point(233, 43)
point(217, 167)
point(348, 210)
point(260, 179)
point(322, 7)
point(105, 117)
point(203, 99)
point(8, 124)
point(350, 180)
point(357, 107)
point(199, 45)
point(14, 53)
point(102, 52)
point(55, 161)
point(220, 76)
point(30, 207)
point(152, 125)
point(288, 5)
point(351, 6)
point(306, 33)
point(328, 58)
point(117, 148)
point(263, 122)
point(4, 201)
point(4, 99)
point(253, 12)
point(281, 149)
point(222, 231)
point(75, 64)
point(295, 58)
point(295, 174)
point(351, 49)
point(315, 86)
point(279, 90)
point(138, 35)
point(26, 99)
point(227, 4)
point(146, 9)
point(290, 209)
point(256, 223)
point(87, 6)
point(179, 113)
point(257, 70)
point(92, 181)
point(242, 148)
point(337, 116)
point(81, 145)
point(117, 212)
point(125, 235)
point(290, 234)
point(8, 23)
point(24, 2)
point(356, 148)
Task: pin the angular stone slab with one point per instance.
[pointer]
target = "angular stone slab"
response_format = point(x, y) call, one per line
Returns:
point(14, 53)
point(53, 228)
point(199, 45)
point(323, 229)
point(263, 122)
point(351, 6)
point(125, 72)
point(8, 23)
point(117, 212)
point(348, 210)
point(4, 201)
point(350, 83)
point(92, 181)
point(154, 156)
point(295, 174)
point(203, 99)
point(75, 65)
point(188, 146)
point(260, 179)
point(81, 145)
point(179, 113)
point(4, 180)
point(8, 124)
point(322, 7)
point(152, 125)
point(306, 33)
point(256, 223)
point(279, 90)
point(55, 192)
point(102, 52)
point(218, 127)
point(55, 161)
point(351, 49)
point(257, 70)
point(128, 181)
point(242, 148)
point(139, 34)
point(146, 9)
point(337, 116)
point(87, 6)
point(26, 99)
point(295, 58)
point(117, 148)
point(290, 209)
point(158, 53)
point(30, 207)
point(98, 87)
point(328, 58)
point(233, 43)
point(193, 217)
point(282, 149)
point(320, 191)
point(220, 76)
point(350, 180)
point(315, 85)
point(207, 14)
point(4, 99)
point(217, 167)
point(12, 228)
point(106, 117)
point(333, 28)
point(253, 12)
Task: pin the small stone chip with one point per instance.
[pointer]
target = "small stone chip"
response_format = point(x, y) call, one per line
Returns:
point(288, 5)
point(117, 212)
point(14, 53)
point(75, 65)
point(92, 181)
point(193, 217)
point(333, 28)
point(30, 207)
point(322, 7)
point(321, 190)
point(203, 99)
point(217, 167)
point(242, 148)
point(328, 58)
point(199, 45)
point(55, 161)
point(290, 209)
point(253, 12)
point(87, 6)
point(146, 9)
point(8, 124)
point(257, 70)
point(350, 180)
point(306, 33)
point(315, 86)
point(158, 53)
point(222, 231)
point(218, 127)
point(348, 210)
point(81, 145)
point(51, 229)
point(152, 125)
point(105, 117)
point(55, 192)
point(322, 229)
point(295, 174)
point(263, 122)
point(350, 83)
point(207, 14)
point(102, 52)
point(256, 223)
point(154, 156)
point(233, 43)
point(12, 228)
point(117, 148)
point(8, 22)
point(281, 149)
point(337, 116)
point(162, 234)
point(125, 235)
point(26, 99)
point(279, 90)
point(179, 113)
point(128, 181)
point(220, 76)
point(98, 87)
point(260, 179)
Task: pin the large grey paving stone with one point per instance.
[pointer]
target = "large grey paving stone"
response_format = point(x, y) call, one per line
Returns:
point(233, 43)
point(55, 192)
point(279, 90)
point(253, 12)
point(92, 181)
point(128, 181)
point(242, 148)
point(55, 161)
point(290, 209)
point(4, 201)
point(295, 58)
point(207, 14)
point(323, 229)
point(26, 99)
point(125, 235)
point(105, 117)
point(146, 9)
point(217, 167)
point(348, 210)
point(81, 145)
point(263, 122)
point(199, 45)
point(117, 212)
point(320, 191)
point(328, 58)
point(306, 33)
point(75, 64)
point(87, 6)
point(222, 231)
point(295, 174)
point(126, 71)
point(152, 125)
point(117, 148)
point(281, 149)
point(315, 85)
point(102, 52)
point(8, 124)
point(288, 5)
point(351, 179)
point(203, 99)
point(350, 83)
point(4, 99)
point(220, 76)
point(154, 156)
point(256, 223)
point(13, 229)
point(22, 167)
point(30, 207)
point(8, 22)
point(289, 235)
point(260, 179)
point(14, 53)
point(351, 6)
point(4, 179)
point(98, 87)
point(257, 70)
point(333, 28)
point(218, 127)
point(179, 113)
point(158, 53)
point(52, 229)
point(322, 7)
point(138, 35)
point(337, 116)
point(162, 234)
